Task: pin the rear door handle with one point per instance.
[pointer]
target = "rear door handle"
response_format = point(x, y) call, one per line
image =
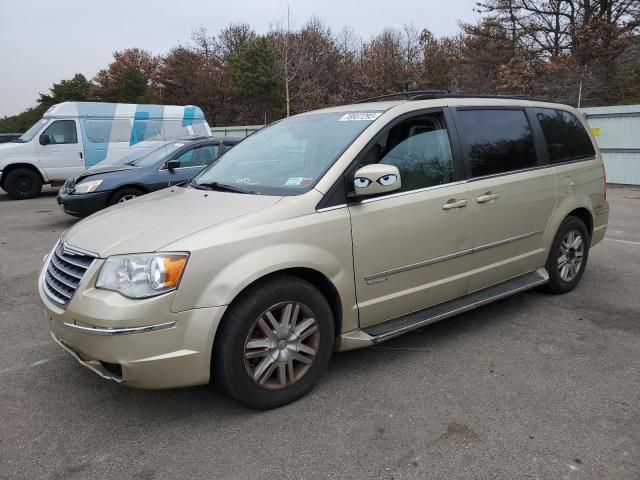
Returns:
point(487, 197)
point(451, 204)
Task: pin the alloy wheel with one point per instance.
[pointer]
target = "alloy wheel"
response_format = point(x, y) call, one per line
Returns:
point(570, 255)
point(281, 345)
point(126, 198)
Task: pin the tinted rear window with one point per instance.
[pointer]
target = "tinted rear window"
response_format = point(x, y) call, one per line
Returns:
point(564, 135)
point(496, 141)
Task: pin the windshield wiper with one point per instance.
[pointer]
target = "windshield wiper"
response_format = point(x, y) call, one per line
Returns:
point(223, 187)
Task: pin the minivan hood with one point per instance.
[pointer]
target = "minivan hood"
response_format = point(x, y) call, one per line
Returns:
point(152, 221)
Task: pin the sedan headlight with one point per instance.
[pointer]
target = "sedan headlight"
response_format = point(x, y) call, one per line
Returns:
point(142, 276)
point(87, 187)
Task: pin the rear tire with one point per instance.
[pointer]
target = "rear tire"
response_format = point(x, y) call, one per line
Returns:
point(125, 195)
point(568, 256)
point(22, 183)
point(274, 342)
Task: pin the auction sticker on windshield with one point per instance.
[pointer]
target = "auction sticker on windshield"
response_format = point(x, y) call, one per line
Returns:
point(366, 116)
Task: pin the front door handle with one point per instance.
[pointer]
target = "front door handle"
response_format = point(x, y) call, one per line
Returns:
point(453, 203)
point(487, 197)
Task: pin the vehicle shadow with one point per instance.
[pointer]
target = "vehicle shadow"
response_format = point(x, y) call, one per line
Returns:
point(208, 405)
point(4, 197)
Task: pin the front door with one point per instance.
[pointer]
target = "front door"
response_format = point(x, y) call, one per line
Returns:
point(61, 156)
point(512, 194)
point(410, 246)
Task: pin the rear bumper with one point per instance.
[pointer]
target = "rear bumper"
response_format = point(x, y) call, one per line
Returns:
point(83, 205)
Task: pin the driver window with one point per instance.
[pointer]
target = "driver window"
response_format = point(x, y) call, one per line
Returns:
point(419, 147)
point(62, 131)
point(199, 156)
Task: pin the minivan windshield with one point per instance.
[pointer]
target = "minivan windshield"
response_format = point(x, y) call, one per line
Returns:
point(287, 157)
point(33, 131)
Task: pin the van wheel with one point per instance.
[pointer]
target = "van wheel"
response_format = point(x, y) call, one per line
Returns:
point(23, 183)
point(568, 256)
point(125, 195)
point(274, 342)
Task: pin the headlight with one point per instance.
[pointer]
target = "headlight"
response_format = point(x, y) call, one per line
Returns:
point(87, 187)
point(142, 276)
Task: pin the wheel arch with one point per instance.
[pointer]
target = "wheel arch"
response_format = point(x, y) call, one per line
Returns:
point(577, 206)
point(584, 215)
point(316, 278)
point(135, 186)
point(12, 166)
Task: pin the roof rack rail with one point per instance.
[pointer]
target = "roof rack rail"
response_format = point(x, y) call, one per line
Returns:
point(434, 94)
point(463, 95)
point(408, 95)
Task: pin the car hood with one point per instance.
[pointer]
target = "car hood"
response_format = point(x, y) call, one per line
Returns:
point(98, 170)
point(148, 223)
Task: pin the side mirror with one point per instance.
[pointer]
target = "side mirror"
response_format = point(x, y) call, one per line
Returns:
point(375, 179)
point(45, 139)
point(173, 164)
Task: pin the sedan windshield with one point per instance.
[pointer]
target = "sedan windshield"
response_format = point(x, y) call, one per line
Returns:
point(32, 132)
point(287, 157)
point(156, 156)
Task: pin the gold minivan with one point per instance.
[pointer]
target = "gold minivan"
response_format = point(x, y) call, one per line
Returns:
point(331, 230)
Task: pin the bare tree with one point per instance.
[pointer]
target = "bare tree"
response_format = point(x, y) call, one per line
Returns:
point(288, 53)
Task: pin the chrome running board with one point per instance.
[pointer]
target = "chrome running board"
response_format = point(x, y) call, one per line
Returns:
point(397, 326)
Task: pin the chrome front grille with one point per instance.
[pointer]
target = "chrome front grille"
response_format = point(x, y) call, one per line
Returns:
point(67, 265)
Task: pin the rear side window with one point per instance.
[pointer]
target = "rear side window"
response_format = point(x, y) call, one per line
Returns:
point(564, 135)
point(147, 130)
point(496, 141)
point(106, 131)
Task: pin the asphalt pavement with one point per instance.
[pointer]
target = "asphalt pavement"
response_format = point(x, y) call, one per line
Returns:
point(532, 387)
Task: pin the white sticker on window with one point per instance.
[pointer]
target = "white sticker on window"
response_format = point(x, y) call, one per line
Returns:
point(299, 181)
point(360, 116)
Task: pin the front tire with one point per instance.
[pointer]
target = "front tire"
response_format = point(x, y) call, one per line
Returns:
point(274, 342)
point(23, 183)
point(124, 195)
point(568, 256)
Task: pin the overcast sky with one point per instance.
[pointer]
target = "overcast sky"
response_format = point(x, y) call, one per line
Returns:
point(44, 42)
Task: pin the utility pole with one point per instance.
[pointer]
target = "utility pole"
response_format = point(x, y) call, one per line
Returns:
point(580, 94)
point(286, 58)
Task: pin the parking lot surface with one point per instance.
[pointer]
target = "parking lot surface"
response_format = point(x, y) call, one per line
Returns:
point(534, 386)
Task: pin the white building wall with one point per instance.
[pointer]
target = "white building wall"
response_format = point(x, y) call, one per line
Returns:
point(617, 131)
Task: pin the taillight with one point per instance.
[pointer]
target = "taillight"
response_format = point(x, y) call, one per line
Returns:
point(604, 178)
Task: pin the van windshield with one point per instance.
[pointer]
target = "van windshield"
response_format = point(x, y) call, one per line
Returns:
point(33, 131)
point(287, 157)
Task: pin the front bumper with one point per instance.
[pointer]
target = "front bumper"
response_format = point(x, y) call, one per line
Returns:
point(140, 343)
point(83, 205)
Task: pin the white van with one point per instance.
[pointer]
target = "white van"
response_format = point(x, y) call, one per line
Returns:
point(73, 136)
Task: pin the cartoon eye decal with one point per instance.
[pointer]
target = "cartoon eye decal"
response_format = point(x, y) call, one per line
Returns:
point(361, 182)
point(387, 180)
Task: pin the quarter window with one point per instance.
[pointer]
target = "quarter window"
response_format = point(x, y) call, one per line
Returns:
point(61, 132)
point(496, 141)
point(419, 147)
point(564, 135)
